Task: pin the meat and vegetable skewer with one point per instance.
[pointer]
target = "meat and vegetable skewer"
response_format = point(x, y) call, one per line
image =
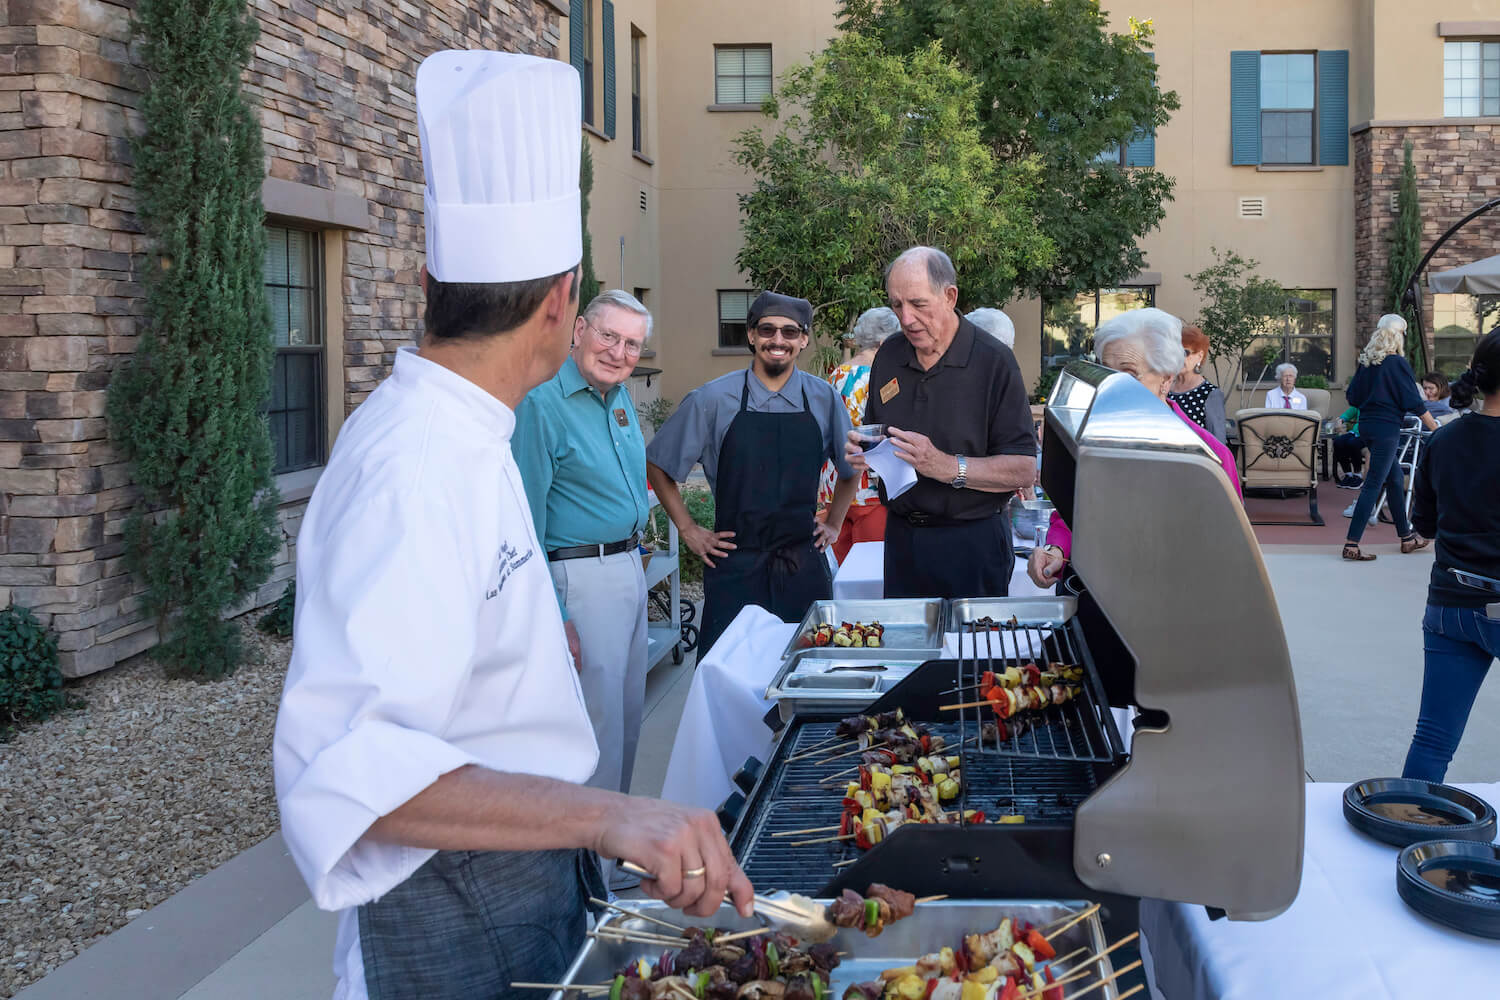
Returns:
point(851, 635)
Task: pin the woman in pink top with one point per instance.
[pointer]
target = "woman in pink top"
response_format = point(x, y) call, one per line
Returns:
point(1145, 343)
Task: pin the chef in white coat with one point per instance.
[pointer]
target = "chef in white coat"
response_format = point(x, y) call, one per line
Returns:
point(432, 738)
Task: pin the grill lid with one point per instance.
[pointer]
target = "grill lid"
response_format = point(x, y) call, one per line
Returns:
point(1209, 808)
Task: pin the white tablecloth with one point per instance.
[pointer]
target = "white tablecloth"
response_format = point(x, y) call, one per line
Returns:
point(1347, 935)
point(722, 722)
point(862, 575)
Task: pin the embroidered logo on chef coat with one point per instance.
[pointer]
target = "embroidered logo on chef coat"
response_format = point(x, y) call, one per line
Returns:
point(510, 561)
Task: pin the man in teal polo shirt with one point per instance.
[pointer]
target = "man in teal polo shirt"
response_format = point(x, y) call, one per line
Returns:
point(583, 462)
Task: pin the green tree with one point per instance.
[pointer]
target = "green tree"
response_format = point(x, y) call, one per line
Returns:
point(1237, 308)
point(588, 283)
point(876, 152)
point(188, 410)
point(1057, 87)
point(1406, 254)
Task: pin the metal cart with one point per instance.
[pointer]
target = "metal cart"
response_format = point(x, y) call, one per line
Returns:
point(680, 636)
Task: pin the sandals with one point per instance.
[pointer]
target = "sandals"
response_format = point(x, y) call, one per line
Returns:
point(1414, 543)
point(1353, 553)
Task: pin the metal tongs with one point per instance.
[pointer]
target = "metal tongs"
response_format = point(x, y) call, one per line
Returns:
point(787, 912)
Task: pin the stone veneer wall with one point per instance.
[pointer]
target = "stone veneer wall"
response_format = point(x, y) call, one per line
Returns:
point(334, 81)
point(1458, 169)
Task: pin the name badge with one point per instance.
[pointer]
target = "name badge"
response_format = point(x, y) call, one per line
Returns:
point(621, 418)
point(889, 391)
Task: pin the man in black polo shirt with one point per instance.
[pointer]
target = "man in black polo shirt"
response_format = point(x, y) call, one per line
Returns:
point(955, 407)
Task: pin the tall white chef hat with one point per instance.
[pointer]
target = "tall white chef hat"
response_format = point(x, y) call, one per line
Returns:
point(500, 147)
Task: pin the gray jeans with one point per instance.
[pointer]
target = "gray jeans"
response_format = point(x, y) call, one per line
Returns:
point(468, 923)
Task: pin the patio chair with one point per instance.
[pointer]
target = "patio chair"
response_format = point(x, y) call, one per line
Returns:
point(1320, 401)
point(1278, 451)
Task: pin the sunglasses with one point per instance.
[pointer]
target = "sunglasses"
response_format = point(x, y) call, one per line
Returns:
point(787, 332)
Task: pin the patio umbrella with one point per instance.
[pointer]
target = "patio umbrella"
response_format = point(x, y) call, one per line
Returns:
point(1482, 277)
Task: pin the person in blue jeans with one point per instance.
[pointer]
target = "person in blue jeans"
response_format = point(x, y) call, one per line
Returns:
point(1457, 500)
point(1385, 390)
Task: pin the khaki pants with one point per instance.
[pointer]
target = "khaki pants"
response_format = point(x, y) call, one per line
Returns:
point(606, 602)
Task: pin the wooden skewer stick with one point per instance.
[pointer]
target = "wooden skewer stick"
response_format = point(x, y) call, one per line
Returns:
point(823, 747)
point(638, 937)
point(838, 774)
point(1109, 979)
point(845, 864)
point(1133, 990)
point(821, 840)
point(1079, 918)
point(966, 704)
point(1044, 928)
point(740, 935)
point(932, 899)
point(1085, 968)
point(1056, 962)
point(638, 915)
point(811, 829)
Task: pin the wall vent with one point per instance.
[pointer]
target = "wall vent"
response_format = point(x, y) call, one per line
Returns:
point(643, 201)
point(1395, 198)
point(1252, 208)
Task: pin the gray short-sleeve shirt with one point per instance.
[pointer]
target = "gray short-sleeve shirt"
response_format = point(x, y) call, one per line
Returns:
point(695, 432)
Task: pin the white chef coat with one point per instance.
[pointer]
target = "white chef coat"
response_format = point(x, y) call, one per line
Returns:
point(427, 636)
point(1276, 400)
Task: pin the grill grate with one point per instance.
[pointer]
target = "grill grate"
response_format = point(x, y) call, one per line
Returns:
point(791, 797)
point(1080, 730)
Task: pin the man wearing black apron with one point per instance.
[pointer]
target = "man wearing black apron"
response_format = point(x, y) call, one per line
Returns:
point(762, 436)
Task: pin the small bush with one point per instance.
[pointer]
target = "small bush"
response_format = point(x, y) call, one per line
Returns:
point(655, 412)
point(1312, 382)
point(700, 505)
point(31, 685)
point(278, 621)
point(1044, 383)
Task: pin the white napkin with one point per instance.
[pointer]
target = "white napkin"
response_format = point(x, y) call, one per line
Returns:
point(894, 472)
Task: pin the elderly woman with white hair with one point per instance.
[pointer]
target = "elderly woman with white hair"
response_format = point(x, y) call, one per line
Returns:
point(1385, 390)
point(996, 324)
point(1286, 396)
point(1147, 344)
point(865, 521)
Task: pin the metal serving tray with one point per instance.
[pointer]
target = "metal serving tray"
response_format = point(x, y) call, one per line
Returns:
point(837, 680)
point(933, 926)
point(1028, 610)
point(911, 624)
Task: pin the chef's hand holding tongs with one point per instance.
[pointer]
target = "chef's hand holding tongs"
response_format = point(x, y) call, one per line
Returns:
point(681, 856)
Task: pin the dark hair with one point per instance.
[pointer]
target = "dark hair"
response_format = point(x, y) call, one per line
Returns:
point(456, 309)
point(1483, 374)
point(1438, 381)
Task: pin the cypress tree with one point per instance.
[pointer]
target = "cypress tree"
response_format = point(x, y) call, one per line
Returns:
point(188, 409)
point(1406, 254)
point(588, 283)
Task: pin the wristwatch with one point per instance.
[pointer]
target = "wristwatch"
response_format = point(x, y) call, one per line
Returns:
point(962, 479)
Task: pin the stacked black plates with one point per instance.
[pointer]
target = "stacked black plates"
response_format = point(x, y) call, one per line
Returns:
point(1455, 882)
point(1404, 811)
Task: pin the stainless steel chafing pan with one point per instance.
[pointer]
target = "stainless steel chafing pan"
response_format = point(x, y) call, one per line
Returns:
point(931, 927)
point(911, 624)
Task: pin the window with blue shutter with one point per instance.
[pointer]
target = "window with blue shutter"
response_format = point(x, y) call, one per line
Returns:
point(1289, 107)
point(576, 30)
point(609, 69)
point(1244, 107)
point(1140, 151)
point(1333, 108)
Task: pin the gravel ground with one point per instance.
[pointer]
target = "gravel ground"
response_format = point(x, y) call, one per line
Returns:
point(110, 809)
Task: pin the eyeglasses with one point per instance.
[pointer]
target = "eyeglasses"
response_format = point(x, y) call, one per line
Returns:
point(787, 332)
point(609, 340)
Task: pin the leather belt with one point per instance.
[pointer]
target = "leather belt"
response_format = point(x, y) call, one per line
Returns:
point(595, 551)
point(922, 519)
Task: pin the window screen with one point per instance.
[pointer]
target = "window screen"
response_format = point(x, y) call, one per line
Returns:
point(293, 292)
point(1288, 94)
point(1471, 79)
point(742, 74)
point(734, 307)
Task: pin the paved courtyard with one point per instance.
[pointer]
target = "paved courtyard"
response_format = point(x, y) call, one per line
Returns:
point(247, 931)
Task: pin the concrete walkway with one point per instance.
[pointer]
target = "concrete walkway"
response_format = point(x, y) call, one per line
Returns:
point(247, 931)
